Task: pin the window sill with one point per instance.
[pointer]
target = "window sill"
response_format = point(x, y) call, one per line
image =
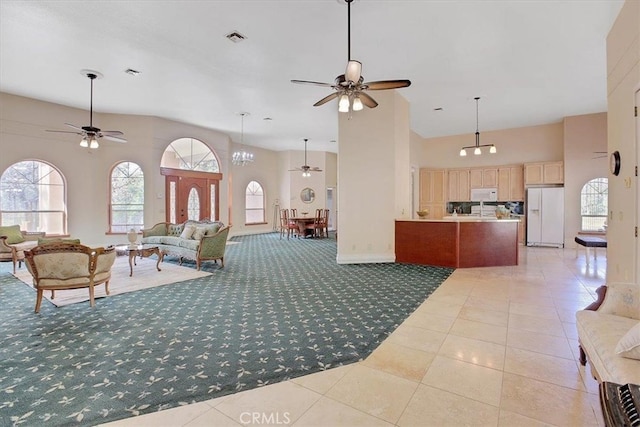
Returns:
point(255, 223)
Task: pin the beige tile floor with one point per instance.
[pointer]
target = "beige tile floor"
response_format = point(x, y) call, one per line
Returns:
point(491, 347)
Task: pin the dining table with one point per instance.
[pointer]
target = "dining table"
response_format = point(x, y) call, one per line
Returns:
point(302, 222)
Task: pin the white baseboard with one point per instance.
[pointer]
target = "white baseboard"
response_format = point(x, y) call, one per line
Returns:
point(367, 258)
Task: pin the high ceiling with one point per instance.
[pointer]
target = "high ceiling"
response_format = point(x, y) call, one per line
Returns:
point(531, 61)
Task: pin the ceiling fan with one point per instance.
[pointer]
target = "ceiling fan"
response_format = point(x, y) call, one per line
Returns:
point(91, 134)
point(350, 87)
point(601, 154)
point(306, 169)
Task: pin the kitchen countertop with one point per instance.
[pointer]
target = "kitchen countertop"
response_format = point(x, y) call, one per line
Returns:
point(463, 218)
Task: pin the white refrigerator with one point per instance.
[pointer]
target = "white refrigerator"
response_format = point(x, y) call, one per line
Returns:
point(545, 216)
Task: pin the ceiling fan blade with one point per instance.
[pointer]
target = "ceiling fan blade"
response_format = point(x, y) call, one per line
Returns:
point(295, 170)
point(111, 133)
point(74, 126)
point(387, 84)
point(65, 131)
point(306, 82)
point(353, 71)
point(326, 99)
point(113, 138)
point(315, 169)
point(367, 100)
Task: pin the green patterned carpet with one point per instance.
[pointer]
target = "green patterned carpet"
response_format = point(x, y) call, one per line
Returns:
point(279, 309)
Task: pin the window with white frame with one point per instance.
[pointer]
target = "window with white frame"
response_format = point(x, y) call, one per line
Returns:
point(127, 198)
point(190, 154)
point(594, 204)
point(33, 195)
point(254, 204)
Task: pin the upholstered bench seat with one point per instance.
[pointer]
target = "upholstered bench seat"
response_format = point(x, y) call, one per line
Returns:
point(590, 242)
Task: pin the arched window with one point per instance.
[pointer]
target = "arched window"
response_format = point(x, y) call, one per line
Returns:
point(254, 203)
point(33, 195)
point(594, 204)
point(127, 198)
point(189, 154)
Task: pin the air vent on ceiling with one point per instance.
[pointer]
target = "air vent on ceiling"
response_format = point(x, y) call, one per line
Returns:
point(235, 37)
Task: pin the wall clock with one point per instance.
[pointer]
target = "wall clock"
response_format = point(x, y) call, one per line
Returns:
point(614, 163)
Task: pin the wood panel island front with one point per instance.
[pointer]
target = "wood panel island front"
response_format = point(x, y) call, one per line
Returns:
point(460, 243)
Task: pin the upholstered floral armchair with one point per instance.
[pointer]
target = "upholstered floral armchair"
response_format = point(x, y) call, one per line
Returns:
point(57, 266)
point(13, 243)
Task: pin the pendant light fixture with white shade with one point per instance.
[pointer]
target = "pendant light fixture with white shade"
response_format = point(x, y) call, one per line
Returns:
point(476, 148)
point(242, 157)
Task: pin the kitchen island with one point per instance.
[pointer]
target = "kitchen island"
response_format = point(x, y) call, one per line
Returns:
point(458, 242)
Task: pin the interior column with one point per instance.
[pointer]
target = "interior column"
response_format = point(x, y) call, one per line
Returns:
point(374, 179)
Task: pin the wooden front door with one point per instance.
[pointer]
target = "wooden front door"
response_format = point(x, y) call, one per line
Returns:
point(191, 195)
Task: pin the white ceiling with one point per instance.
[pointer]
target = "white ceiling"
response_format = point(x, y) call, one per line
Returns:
point(531, 61)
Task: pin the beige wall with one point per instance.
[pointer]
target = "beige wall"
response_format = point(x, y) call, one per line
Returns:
point(528, 144)
point(583, 135)
point(23, 122)
point(374, 162)
point(623, 83)
point(263, 171)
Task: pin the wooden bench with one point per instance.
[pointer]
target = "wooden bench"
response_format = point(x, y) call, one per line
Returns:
point(590, 242)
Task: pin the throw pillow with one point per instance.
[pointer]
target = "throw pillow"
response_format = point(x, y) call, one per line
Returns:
point(187, 232)
point(13, 233)
point(629, 344)
point(199, 233)
point(174, 230)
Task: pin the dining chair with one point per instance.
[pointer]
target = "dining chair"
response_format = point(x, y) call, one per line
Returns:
point(294, 213)
point(317, 225)
point(325, 220)
point(286, 224)
point(283, 222)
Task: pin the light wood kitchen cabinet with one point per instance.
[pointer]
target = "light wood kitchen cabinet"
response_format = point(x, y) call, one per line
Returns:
point(483, 178)
point(458, 185)
point(544, 173)
point(553, 173)
point(433, 192)
point(511, 183)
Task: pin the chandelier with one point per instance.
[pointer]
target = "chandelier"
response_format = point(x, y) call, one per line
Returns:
point(476, 148)
point(242, 157)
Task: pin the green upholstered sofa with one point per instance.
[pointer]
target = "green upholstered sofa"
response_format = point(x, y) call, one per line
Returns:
point(197, 240)
point(13, 243)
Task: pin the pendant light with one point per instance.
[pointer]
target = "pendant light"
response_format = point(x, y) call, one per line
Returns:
point(242, 157)
point(476, 148)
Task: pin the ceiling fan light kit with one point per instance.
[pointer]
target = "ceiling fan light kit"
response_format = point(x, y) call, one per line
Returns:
point(91, 134)
point(350, 87)
point(476, 148)
point(306, 169)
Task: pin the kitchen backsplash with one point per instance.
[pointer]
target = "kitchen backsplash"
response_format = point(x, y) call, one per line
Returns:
point(516, 208)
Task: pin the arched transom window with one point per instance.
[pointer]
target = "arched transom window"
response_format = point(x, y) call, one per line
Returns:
point(190, 154)
point(33, 195)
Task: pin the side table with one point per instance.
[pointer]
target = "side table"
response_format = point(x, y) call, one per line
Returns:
point(142, 251)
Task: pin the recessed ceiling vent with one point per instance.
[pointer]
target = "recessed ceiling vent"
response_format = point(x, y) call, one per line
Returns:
point(235, 37)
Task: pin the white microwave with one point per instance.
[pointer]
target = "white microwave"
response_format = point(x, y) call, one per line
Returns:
point(484, 194)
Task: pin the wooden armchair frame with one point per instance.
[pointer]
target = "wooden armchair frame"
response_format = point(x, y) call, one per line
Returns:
point(58, 266)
